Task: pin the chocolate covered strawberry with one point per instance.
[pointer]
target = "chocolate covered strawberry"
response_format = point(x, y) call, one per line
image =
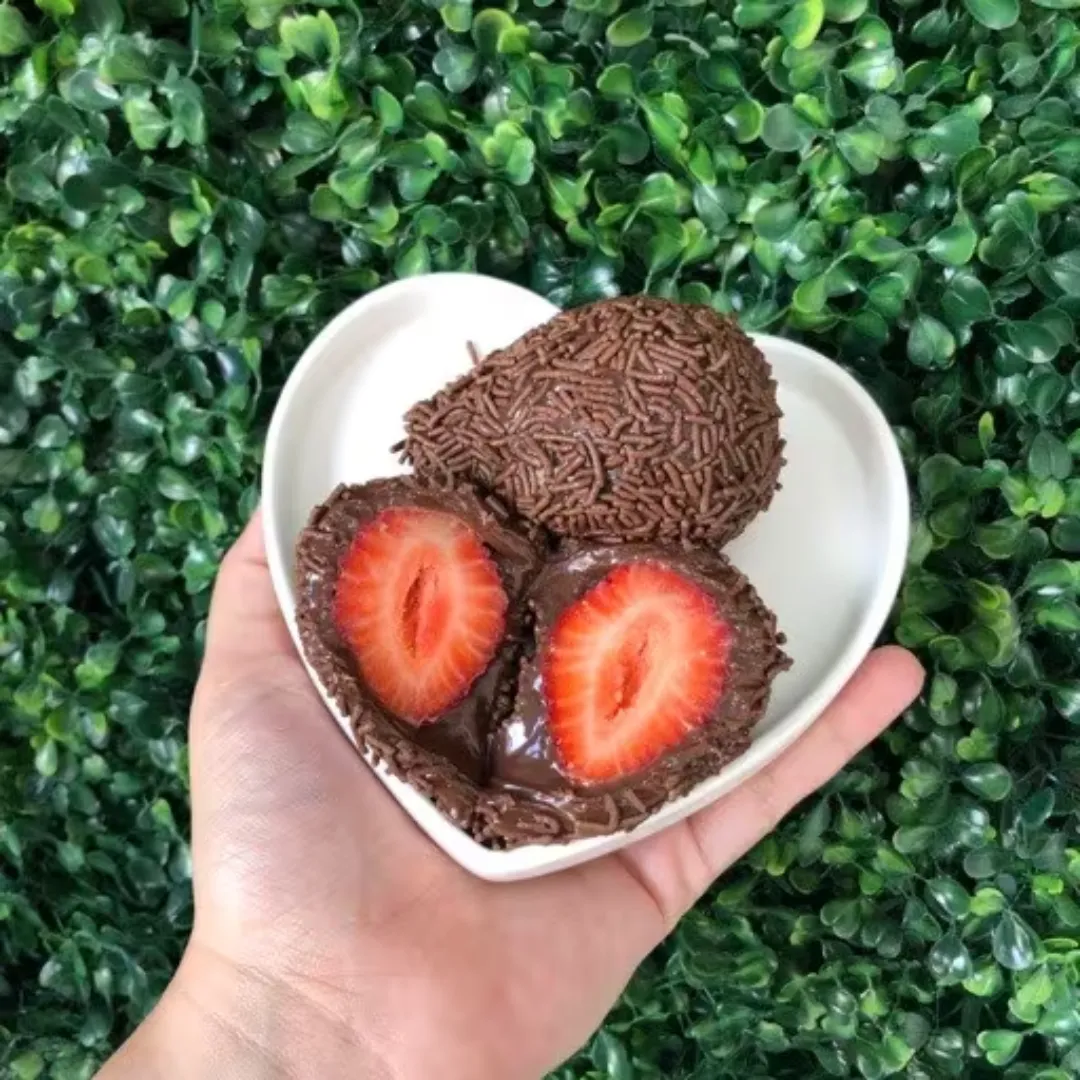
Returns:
point(410, 611)
point(630, 669)
point(421, 605)
point(650, 669)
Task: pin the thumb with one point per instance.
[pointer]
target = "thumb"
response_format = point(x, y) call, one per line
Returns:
point(261, 738)
point(245, 626)
point(254, 695)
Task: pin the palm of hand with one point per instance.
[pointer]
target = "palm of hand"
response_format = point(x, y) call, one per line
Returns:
point(309, 876)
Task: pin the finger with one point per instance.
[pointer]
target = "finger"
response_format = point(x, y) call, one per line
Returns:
point(255, 706)
point(250, 657)
point(884, 686)
point(678, 865)
point(245, 622)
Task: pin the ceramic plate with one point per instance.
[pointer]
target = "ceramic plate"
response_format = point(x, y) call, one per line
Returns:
point(827, 557)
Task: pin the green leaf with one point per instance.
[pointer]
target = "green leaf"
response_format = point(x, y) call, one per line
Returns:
point(996, 14)
point(661, 194)
point(930, 343)
point(746, 120)
point(988, 780)
point(1014, 945)
point(1047, 191)
point(954, 135)
point(58, 9)
point(1049, 457)
point(873, 69)
point(488, 27)
point(174, 485)
point(953, 246)
point(46, 760)
point(30, 184)
point(1000, 1046)
point(862, 149)
point(314, 37)
point(569, 196)
point(785, 129)
point(389, 110)
point(950, 897)
point(718, 73)
point(323, 94)
point(44, 515)
point(88, 92)
point(1036, 343)
point(774, 221)
point(27, 1066)
point(630, 28)
point(966, 300)
point(458, 66)
point(413, 260)
point(811, 296)
point(1035, 991)
point(616, 82)
point(666, 244)
point(845, 11)
point(1064, 271)
point(949, 960)
point(802, 22)
point(325, 205)
point(352, 184)
point(14, 33)
point(146, 122)
point(184, 226)
point(609, 1055)
point(668, 131)
point(754, 13)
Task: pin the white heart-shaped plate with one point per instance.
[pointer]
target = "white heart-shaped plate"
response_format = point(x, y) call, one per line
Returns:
point(827, 557)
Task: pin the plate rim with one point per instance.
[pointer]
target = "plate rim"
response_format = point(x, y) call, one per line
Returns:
point(535, 860)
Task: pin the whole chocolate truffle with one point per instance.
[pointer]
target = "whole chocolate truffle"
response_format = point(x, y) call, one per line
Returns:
point(649, 671)
point(409, 610)
point(634, 419)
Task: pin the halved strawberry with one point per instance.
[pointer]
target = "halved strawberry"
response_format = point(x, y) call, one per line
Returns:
point(630, 669)
point(422, 607)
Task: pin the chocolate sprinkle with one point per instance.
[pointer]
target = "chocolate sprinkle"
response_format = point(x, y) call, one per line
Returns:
point(644, 420)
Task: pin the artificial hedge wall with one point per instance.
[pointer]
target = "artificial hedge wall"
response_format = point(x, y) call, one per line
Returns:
point(192, 188)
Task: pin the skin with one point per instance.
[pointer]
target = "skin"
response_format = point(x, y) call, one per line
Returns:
point(332, 938)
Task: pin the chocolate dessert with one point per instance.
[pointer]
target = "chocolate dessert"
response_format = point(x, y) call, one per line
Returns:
point(634, 419)
point(536, 631)
point(648, 671)
point(409, 611)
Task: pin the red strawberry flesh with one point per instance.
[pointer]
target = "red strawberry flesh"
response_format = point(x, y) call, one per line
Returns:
point(421, 605)
point(630, 669)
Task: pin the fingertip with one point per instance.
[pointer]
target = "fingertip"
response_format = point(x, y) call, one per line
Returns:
point(245, 619)
point(250, 545)
point(896, 670)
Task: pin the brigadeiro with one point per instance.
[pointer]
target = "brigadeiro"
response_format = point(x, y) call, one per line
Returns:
point(634, 419)
point(409, 611)
point(647, 672)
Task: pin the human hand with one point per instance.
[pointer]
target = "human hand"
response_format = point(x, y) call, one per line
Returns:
point(332, 938)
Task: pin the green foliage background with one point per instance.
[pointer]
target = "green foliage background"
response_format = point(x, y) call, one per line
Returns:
point(192, 188)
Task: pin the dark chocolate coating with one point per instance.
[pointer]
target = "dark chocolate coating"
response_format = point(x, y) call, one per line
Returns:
point(446, 760)
point(530, 797)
